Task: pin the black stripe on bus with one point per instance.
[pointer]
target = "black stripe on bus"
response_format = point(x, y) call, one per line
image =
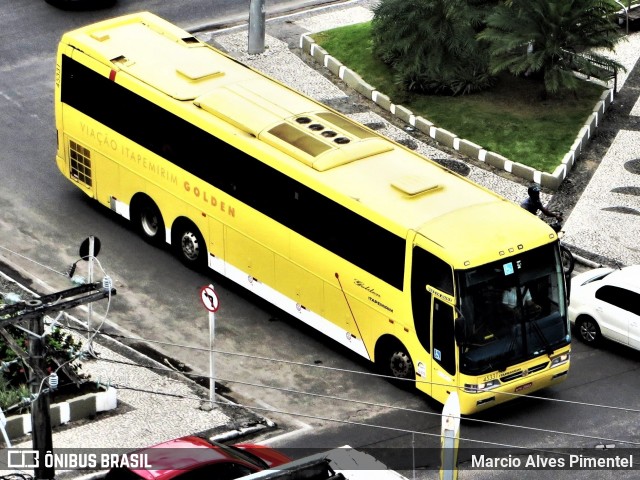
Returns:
point(269, 191)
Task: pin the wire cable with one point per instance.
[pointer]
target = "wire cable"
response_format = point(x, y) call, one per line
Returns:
point(350, 422)
point(381, 405)
point(357, 372)
point(97, 331)
point(46, 267)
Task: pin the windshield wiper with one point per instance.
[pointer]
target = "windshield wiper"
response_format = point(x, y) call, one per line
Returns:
point(547, 346)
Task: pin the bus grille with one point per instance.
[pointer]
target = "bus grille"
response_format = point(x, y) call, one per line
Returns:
point(522, 373)
point(80, 163)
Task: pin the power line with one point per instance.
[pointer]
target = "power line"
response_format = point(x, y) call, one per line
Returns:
point(295, 363)
point(373, 404)
point(33, 261)
point(361, 424)
point(254, 357)
point(343, 370)
point(290, 362)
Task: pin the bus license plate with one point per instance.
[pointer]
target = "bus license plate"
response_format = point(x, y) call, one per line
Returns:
point(523, 387)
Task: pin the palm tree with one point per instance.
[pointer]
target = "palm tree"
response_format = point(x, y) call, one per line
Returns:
point(431, 44)
point(553, 39)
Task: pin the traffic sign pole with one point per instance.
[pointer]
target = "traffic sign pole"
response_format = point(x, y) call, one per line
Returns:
point(210, 301)
point(212, 361)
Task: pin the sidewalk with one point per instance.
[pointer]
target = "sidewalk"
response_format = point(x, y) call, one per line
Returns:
point(154, 402)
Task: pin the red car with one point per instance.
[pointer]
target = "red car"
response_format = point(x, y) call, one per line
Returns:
point(195, 458)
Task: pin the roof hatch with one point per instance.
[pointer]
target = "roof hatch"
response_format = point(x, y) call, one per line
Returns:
point(413, 186)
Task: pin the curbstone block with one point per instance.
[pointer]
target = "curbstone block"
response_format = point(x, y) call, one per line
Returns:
point(364, 89)
point(381, 99)
point(305, 42)
point(583, 136)
point(423, 125)
point(55, 415)
point(106, 400)
point(592, 124)
point(351, 78)
point(445, 137)
point(469, 149)
point(607, 98)
point(495, 160)
point(404, 114)
point(332, 64)
point(569, 159)
point(523, 171)
point(599, 107)
point(318, 53)
point(82, 407)
point(18, 425)
point(550, 181)
point(576, 148)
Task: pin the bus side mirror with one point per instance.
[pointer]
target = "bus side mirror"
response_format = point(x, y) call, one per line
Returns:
point(459, 330)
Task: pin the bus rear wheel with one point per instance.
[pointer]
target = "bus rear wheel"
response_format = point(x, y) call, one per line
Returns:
point(190, 246)
point(148, 220)
point(395, 362)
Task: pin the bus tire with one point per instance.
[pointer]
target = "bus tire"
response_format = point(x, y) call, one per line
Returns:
point(189, 246)
point(148, 220)
point(395, 362)
point(568, 261)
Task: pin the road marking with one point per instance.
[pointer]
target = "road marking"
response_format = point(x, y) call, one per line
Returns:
point(304, 427)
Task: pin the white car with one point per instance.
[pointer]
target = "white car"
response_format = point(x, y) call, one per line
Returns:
point(605, 302)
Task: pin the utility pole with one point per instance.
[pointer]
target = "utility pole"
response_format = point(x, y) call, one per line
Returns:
point(256, 26)
point(41, 436)
point(35, 311)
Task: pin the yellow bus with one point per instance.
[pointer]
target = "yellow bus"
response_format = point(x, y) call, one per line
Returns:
point(395, 257)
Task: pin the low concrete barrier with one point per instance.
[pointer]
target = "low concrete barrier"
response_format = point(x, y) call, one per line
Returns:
point(83, 406)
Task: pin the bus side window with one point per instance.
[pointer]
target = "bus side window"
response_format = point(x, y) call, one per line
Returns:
point(443, 336)
point(427, 269)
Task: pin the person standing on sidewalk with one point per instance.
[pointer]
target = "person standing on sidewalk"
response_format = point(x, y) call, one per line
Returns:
point(533, 203)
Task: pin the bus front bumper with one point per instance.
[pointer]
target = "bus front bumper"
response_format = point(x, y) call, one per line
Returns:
point(507, 390)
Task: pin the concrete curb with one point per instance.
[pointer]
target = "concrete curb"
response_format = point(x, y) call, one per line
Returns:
point(84, 406)
point(451, 140)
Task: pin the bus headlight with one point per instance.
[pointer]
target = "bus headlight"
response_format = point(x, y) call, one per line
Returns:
point(559, 360)
point(481, 387)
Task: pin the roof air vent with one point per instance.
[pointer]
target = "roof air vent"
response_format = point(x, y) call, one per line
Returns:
point(414, 185)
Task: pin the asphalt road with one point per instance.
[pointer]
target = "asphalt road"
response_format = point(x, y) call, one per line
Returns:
point(44, 219)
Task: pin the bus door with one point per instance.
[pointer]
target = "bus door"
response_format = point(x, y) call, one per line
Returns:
point(431, 281)
point(443, 358)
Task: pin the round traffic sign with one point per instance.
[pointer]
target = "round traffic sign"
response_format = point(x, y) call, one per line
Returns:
point(209, 298)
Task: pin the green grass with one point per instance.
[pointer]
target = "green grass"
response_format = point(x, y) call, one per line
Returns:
point(512, 119)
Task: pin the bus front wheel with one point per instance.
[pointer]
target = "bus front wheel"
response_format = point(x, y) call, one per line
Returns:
point(395, 362)
point(190, 246)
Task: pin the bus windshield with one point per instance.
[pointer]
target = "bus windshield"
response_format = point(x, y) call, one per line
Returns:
point(513, 309)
